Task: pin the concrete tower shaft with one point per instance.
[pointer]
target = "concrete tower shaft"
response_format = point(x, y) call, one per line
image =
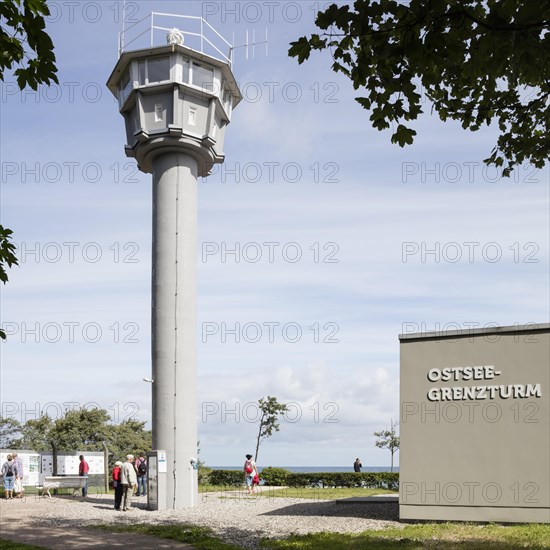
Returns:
point(174, 320)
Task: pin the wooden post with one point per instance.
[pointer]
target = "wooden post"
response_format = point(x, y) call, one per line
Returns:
point(106, 466)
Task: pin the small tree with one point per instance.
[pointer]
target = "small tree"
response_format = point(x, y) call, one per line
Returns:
point(388, 439)
point(270, 409)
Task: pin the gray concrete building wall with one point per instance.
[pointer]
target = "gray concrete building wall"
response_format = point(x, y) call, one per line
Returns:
point(157, 110)
point(475, 425)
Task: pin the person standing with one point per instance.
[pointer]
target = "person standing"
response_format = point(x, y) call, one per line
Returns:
point(129, 482)
point(83, 469)
point(141, 472)
point(357, 465)
point(9, 473)
point(18, 487)
point(250, 471)
point(117, 483)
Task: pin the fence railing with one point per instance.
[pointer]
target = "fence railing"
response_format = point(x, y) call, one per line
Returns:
point(197, 33)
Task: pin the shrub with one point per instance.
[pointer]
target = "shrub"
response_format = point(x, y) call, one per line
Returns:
point(279, 476)
point(368, 480)
point(234, 478)
point(203, 475)
point(276, 477)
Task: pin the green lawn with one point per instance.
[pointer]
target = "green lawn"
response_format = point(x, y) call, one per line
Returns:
point(312, 493)
point(9, 545)
point(448, 536)
point(323, 494)
point(199, 537)
point(217, 488)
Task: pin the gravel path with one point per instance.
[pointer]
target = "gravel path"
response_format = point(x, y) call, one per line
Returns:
point(235, 517)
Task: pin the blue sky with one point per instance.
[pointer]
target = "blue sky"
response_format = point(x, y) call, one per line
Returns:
point(367, 241)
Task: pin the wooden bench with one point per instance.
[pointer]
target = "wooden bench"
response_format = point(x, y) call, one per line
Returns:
point(63, 482)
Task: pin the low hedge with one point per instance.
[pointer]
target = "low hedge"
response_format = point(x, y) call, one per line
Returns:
point(368, 480)
point(203, 475)
point(278, 477)
point(233, 478)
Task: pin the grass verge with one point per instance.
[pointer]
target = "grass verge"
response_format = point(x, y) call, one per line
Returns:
point(219, 488)
point(447, 536)
point(200, 538)
point(10, 545)
point(315, 493)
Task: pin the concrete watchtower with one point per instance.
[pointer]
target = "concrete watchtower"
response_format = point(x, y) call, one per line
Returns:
point(176, 100)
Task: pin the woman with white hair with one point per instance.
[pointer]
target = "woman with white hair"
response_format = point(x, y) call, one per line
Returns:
point(18, 486)
point(117, 484)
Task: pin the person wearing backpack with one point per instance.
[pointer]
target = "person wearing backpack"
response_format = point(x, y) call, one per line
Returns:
point(9, 473)
point(141, 471)
point(250, 472)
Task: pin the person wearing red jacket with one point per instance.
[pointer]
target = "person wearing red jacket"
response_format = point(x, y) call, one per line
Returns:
point(83, 470)
point(117, 484)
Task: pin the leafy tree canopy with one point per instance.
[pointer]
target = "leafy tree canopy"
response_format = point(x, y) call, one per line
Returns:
point(7, 259)
point(35, 434)
point(476, 61)
point(9, 432)
point(79, 430)
point(24, 42)
point(82, 430)
point(129, 436)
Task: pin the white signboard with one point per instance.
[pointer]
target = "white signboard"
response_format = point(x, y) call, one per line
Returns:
point(31, 466)
point(162, 463)
point(68, 465)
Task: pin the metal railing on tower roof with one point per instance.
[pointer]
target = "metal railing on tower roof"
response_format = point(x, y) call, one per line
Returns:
point(197, 33)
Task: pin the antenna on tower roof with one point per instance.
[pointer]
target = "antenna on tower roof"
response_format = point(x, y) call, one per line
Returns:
point(248, 44)
point(121, 34)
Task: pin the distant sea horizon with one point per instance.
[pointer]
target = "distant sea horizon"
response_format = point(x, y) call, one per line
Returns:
point(314, 469)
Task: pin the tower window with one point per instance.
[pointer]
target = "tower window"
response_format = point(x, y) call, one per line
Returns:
point(203, 76)
point(159, 112)
point(154, 70)
point(125, 85)
point(192, 119)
